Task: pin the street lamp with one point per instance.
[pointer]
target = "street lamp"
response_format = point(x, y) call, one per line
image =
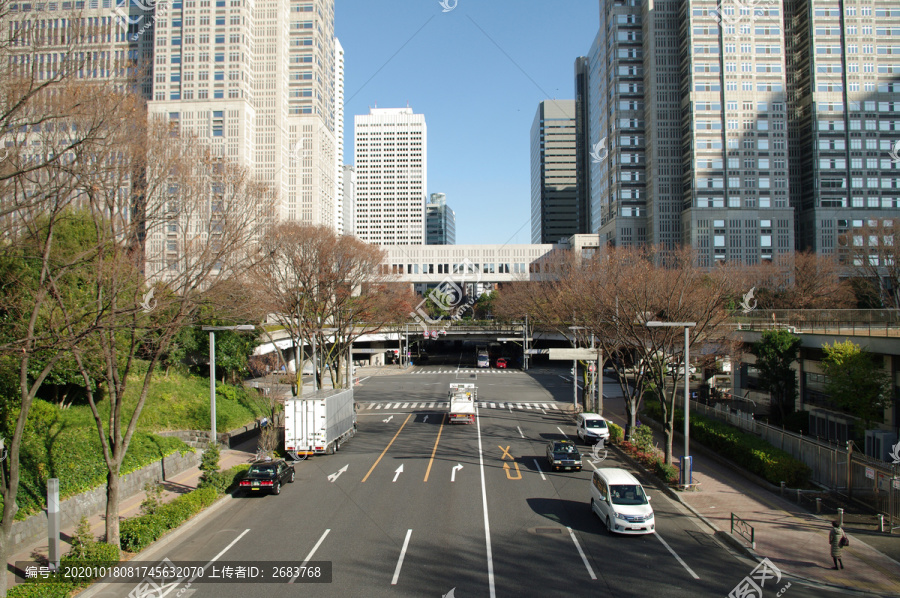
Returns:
point(686, 464)
point(212, 372)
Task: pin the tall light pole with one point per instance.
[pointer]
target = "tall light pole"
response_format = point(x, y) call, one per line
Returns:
point(686, 464)
point(212, 372)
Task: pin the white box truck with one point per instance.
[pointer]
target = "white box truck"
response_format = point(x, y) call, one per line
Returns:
point(319, 423)
point(462, 403)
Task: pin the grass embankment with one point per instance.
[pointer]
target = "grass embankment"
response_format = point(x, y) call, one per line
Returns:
point(64, 443)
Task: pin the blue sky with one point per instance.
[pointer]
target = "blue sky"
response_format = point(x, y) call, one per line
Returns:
point(477, 73)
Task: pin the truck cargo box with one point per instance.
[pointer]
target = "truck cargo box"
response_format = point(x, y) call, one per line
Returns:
point(319, 422)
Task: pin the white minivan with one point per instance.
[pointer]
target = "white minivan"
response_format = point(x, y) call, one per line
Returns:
point(592, 428)
point(620, 502)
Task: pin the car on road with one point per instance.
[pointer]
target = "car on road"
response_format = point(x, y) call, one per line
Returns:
point(502, 363)
point(268, 475)
point(563, 454)
point(621, 503)
point(592, 428)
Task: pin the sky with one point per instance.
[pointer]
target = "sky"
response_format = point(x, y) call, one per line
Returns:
point(477, 73)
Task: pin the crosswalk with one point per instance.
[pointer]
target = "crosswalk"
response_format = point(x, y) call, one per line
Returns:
point(444, 405)
point(465, 371)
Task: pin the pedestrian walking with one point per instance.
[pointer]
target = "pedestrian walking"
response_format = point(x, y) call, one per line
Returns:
point(838, 539)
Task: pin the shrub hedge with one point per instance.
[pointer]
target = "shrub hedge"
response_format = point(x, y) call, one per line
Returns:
point(616, 433)
point(137, 533)
point(746, 450)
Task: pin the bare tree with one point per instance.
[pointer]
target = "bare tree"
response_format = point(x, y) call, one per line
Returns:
point(161, 200)
point(326, 291)
point(801, 280)
point(872, 254)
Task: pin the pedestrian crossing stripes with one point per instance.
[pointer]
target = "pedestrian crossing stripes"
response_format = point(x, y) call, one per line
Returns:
point(444, 404)
point(463, 371)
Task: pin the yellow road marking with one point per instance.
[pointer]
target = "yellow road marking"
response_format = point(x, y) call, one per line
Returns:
point(434, 450)
point(386, 448)
point(506, 468)
point(505, 453)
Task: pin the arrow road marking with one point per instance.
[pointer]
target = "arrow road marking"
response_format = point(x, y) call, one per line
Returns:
point(397, 473)
point(388, 419)
point(453, 471)
point(338, 473)
point(424, 419)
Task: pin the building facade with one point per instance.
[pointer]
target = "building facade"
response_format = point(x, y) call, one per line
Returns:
point(440, 221)
point(391, 154)
point(554, 197)
point(339, 137)
point(257, 80)
point(743, 129)
point(348, 205)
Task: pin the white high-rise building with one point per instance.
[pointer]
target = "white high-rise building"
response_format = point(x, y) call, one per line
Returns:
point(349, 198)
point(390, 150)
point(256, 78)
point(339, 136)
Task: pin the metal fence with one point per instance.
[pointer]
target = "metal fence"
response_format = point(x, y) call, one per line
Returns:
point(827, 462)
point(852, 322)
point(872, 482)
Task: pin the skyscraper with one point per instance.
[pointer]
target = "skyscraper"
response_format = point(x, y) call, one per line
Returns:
point(843, 119)
point(554, 198)
point(339, 136)
point(743, 129)
point(348, 204)
point(440, 221)
point(391, 153)
point(257, 80)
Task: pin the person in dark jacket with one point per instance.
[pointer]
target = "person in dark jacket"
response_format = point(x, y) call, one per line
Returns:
point(834, 539)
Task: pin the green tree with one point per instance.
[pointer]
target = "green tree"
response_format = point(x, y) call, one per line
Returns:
point(485, 305)
point(856, 381)
point(775, 352)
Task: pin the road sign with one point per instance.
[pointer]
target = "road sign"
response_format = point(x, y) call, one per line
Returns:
point(870, 473)
point(592, 368)
point(586, 354)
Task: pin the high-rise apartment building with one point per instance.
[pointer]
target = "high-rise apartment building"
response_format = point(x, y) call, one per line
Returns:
point(390, 151)
point(743, 129)
point(440, 221)
point(554, 197)
point(257, 80)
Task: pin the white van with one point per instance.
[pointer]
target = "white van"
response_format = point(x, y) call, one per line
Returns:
point(592, 428)
point(620, 502)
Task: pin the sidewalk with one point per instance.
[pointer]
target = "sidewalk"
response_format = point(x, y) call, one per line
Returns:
point(175, 486)
point(793, 539)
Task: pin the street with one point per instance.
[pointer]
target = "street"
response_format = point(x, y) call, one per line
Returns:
point(414, 507)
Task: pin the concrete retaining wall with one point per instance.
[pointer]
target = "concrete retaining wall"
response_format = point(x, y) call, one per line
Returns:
point(92, 502)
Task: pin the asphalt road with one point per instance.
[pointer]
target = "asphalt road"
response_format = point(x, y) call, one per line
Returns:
point(414, 507)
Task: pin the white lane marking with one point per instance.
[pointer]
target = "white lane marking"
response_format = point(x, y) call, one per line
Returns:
point(540, 471)
point(311, 553)
point(397, 472)
point(400, 560)
point(494, 406)
point(528, 406)
point(379, 405)
point(678, 558)
point(367, 377)
point(560, 431)
point(520, 431)
point(405, 405)
point(431, 406)
point(487, 527)
point(544, 405)
point(388, 419)
point(557, 408)
point(213, 560)
point(544, 412)
point(581, 552)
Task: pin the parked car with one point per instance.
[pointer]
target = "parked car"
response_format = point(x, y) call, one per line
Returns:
point(268, 475)
point(563, 454)
point(620, 502)
point(502, 363)
point(592, 428)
